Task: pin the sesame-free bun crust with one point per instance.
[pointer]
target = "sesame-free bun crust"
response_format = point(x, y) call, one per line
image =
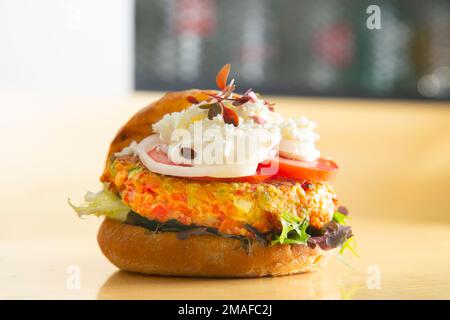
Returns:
point(137, 249)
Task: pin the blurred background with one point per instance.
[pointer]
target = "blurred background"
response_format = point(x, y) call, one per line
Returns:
point(295, 47)
point(73, 71)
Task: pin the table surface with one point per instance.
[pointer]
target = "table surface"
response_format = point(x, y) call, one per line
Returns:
point(395, 173)
point(391, 265)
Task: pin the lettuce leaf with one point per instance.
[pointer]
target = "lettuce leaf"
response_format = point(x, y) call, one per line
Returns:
point(103, 203)
point(333, 235)
point(293, 230)
point(340, 218)
point(349, 245)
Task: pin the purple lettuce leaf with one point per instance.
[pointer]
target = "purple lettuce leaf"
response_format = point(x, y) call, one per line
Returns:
point(333, 235)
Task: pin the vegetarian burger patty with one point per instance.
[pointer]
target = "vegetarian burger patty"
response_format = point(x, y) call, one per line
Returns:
point(229, 207)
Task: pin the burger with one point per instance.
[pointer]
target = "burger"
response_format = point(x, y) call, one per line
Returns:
point(212, 183)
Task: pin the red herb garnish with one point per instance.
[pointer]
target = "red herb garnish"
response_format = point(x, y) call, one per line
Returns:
point(230, 117)
point(222, 76)
point(206, 106)
point(270, 106)
point(249, 95)
point(241, 100)
point(192, 99)
point(214, 110)
point(228, 90)
point(216, 102)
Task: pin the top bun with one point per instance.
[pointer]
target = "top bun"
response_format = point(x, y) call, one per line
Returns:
point(140, 125)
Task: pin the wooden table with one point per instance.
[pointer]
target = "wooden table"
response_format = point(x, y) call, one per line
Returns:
point(395, 173)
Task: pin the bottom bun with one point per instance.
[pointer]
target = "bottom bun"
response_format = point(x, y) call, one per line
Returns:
point(137, 249)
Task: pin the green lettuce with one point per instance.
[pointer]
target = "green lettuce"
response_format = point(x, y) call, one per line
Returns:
point(293, 230)
point(340, 218)
point(350, 243)
point(103, 203)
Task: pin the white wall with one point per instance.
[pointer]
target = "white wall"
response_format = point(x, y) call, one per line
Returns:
point(67, 47)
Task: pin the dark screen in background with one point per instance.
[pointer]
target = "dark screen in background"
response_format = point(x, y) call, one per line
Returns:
point(318, 48)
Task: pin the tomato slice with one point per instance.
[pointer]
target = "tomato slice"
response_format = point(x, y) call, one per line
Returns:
point(319, 170)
